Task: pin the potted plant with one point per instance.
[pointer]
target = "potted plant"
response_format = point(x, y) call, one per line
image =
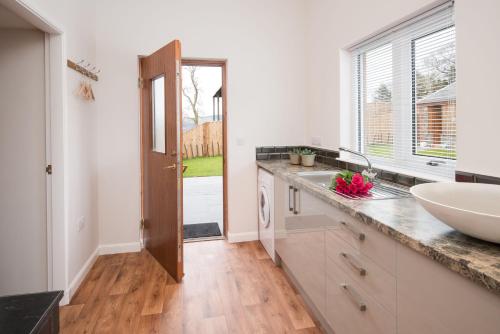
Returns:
point(307, 156)
point(295, 156)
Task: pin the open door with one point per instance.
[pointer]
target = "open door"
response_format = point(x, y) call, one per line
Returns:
point(161, 144)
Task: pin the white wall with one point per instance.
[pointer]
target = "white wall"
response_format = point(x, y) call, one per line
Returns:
point(77, 19)
point(334, 25)
point(264, 43)
point(478, 115)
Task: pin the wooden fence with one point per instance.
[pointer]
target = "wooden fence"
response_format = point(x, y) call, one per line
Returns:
point(204, 140)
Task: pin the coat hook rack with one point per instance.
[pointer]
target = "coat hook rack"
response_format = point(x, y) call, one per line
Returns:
point(83, 69)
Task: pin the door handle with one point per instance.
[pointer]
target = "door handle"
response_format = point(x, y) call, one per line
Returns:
point(173, 166)
point(290, 207)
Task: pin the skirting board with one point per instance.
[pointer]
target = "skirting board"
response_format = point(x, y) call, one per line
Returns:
point(241, 237)
point(130, 247)
point(75, 284)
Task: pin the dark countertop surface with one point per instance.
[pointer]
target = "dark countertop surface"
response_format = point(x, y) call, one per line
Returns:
point(22, 314)
point(410, 224)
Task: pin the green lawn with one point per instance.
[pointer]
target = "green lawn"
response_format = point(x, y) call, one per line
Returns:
point(203, 166)
point(438, 152)
point(385, 150)
point(380, 150)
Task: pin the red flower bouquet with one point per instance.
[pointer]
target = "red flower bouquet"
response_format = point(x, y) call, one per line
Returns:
point(349, 183)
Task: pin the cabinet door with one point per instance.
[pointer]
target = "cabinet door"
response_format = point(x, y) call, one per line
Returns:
point(281, 211)
point(300, 242)
point(435, 300)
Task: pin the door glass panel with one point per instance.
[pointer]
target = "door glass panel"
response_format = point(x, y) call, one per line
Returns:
point(158, 114)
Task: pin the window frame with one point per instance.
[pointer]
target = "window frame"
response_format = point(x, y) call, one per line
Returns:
point(404, 131)
point(414, 98)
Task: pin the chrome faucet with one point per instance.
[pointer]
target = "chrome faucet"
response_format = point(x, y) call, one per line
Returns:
point(370, 172)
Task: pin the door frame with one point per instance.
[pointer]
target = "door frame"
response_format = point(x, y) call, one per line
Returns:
point(55, 140)
point(214, 62)
point(222, 63)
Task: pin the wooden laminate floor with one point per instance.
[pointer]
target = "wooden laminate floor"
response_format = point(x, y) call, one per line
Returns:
point(227, 288)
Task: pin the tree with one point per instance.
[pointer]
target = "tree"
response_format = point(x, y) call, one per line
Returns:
point(442, 62)
point(192, 94)
point(383, 93)
point(440, 71)
point(429, 83)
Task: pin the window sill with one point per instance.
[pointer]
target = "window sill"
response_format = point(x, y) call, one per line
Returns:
point(403, 171)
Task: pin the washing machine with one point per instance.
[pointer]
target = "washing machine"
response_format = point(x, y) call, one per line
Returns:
point(266, 210)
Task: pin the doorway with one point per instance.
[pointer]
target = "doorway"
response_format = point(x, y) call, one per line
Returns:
point(163, 151)
point(204, 149)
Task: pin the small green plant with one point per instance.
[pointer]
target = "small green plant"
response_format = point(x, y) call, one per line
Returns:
point(307, 151)
point(296, 151)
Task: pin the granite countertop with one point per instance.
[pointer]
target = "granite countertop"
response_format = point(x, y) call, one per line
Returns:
point(26, 313)
point(407, 222)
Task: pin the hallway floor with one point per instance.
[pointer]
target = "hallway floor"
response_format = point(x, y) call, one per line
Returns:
point(227, 288)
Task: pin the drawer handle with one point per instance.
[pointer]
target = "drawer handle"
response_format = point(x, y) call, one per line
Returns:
point(354, 296)
point(290, 207)
point(361, 236)
point(354, 263)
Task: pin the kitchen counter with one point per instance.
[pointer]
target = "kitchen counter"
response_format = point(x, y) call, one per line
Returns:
point(408, 223)
point(30, 313)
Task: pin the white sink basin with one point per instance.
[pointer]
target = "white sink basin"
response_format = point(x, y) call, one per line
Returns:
point(471, 208)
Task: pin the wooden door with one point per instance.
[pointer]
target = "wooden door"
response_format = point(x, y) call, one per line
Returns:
point(161, 156)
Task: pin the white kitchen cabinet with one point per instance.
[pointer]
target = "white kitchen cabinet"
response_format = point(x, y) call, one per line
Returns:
point(400, 290)
point(367, 241)
point(301, 221)
point(433, 299)
point(360, 279)
point(351, 309)
point(375, 282)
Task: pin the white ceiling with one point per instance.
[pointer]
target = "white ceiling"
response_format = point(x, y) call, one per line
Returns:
point(9, 20)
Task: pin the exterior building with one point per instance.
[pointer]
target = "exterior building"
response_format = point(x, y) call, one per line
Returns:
point(435, 116)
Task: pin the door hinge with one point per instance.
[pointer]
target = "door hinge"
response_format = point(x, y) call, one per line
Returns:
point(48, 169)
point(140, 82)
point(142, 223)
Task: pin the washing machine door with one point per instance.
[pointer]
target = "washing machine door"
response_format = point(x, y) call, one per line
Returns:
point(264, 208)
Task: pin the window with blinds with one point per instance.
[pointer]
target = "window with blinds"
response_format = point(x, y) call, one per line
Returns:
point(404, 96)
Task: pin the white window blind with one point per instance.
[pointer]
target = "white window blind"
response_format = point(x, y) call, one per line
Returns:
point(404, 96)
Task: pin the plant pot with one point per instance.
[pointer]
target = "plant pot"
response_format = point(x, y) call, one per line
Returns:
point(308, 160)
point(295, 159)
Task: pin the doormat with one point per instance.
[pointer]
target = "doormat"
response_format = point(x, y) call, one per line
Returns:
point(203, 230)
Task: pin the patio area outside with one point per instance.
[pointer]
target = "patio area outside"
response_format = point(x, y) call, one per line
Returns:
point(203, 200)
point(203, 152)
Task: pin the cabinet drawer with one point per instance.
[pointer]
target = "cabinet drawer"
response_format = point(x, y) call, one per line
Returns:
point(344, 300)
point(373, 279)
point(367, 240)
